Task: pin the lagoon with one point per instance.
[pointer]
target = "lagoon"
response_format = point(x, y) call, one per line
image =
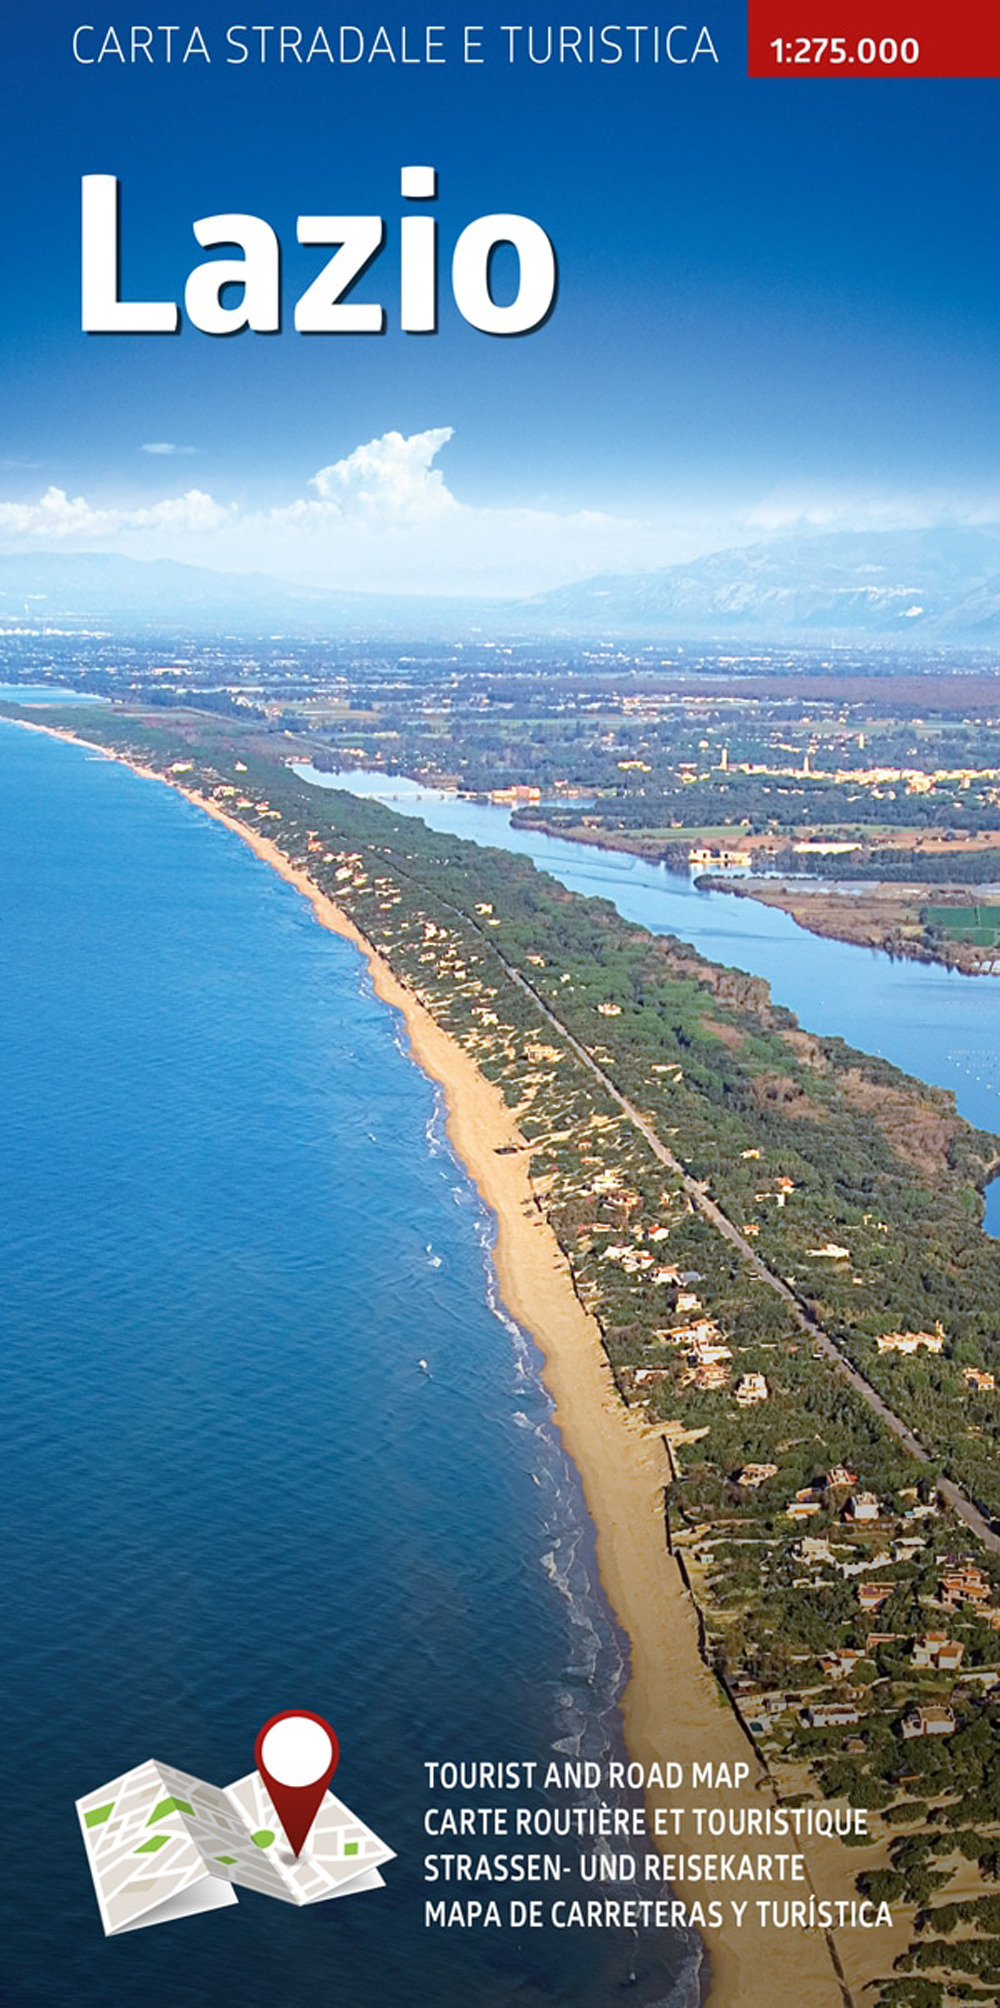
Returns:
point(931, 1021)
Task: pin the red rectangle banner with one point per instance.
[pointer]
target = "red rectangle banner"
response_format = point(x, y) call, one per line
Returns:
point(871, 38)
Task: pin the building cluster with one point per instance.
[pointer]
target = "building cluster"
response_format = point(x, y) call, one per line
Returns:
point(853, 1619)
point(975, 1377)
point(911, 1342)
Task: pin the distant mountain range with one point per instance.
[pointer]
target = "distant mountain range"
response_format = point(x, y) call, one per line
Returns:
point(942, 586)
point(92, 590)
point(877, 586)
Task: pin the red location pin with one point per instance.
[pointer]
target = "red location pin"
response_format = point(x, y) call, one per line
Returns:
point(296, 1754)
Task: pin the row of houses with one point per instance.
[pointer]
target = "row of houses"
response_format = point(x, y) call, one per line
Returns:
point(864, 1506)
point(936, 1652)
point(911, 1342)
point(965, 1583)
point(929, 1721)
point(976, 1378)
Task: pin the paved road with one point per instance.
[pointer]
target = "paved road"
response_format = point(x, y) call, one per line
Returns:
point(964, 1507)
point(958, 1500)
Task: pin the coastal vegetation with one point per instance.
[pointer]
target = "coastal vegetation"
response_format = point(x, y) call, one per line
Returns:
point(813, 769)
point(748, 1211)
point(905, 918)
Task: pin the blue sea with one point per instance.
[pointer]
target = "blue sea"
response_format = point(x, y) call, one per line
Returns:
point(232, 1228)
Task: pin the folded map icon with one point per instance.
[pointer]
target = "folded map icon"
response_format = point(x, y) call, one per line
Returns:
point(162, 1845)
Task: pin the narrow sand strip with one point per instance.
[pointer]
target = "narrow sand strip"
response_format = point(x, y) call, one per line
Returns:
point(672, 1707)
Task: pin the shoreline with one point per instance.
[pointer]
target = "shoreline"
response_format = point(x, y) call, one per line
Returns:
point(882, 932)
point(671, 1704)
point(854, 919)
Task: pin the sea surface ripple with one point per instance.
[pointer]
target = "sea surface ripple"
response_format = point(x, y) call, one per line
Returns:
point(232, 1228)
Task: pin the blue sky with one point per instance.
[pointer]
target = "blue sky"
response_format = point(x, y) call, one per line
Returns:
point(779, 304)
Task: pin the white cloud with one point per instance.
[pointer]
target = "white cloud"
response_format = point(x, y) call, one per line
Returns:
point(166, 447)
point(390, 481)
point(796, 510)
point(383, 519)
point(59, 519)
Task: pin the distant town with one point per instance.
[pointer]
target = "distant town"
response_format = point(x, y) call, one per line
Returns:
point(782, 775)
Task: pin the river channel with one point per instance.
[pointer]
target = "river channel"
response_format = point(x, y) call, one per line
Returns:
point(933, 1022)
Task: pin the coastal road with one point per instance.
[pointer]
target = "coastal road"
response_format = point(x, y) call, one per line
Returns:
point(965, 1508)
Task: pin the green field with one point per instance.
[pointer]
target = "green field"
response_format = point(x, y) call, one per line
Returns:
point(979, 925)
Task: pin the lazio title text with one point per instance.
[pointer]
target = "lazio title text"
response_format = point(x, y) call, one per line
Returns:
point(324, 308)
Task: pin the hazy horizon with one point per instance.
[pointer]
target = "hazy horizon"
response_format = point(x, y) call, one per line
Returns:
point(775, 313)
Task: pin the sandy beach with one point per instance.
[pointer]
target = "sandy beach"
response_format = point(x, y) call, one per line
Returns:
point(672, 1706)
